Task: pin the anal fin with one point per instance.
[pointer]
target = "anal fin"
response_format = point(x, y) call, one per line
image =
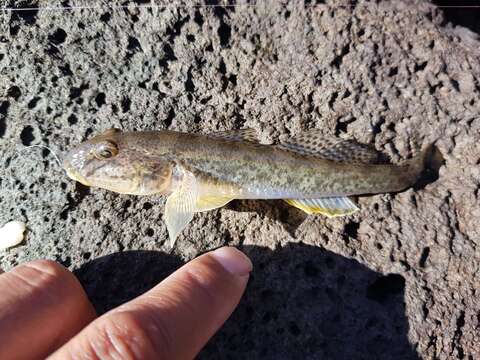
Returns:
point(328, 206)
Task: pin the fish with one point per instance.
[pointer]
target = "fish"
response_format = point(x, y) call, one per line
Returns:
point(198, 172)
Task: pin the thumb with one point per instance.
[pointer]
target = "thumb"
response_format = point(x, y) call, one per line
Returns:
point(173, 320)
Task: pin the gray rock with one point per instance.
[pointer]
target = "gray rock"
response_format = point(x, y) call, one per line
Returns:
point(400, 279)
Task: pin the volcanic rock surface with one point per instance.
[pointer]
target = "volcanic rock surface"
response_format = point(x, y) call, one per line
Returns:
point(399, 279)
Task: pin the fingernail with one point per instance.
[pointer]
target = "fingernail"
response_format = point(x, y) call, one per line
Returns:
point(233, 260)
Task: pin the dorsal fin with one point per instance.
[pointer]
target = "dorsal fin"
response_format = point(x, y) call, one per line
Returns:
point(247, 134)
point(314, 143)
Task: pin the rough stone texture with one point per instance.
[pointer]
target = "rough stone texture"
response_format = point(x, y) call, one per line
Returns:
point(400, 279)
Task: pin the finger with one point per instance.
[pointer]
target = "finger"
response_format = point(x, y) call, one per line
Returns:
point(42, 305)
point(175, 319)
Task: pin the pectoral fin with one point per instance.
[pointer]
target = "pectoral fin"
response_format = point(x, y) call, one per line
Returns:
point(190, 197)
point(328, 206)
point(180, 206)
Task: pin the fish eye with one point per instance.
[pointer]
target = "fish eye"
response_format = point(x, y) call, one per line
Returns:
point(106, 150)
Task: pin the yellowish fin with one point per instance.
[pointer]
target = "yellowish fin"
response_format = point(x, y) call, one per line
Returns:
point(328, 206)
point(205, 203)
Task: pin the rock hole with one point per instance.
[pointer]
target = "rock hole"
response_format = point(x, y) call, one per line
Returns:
point(4, 105)
point(385, 287)
point(81, 191)
point(133, 44)
point(65, 70)
point(342, 126)
point(420, 67)
point(190, 38)
point(455, 85)
point(189, 85)
point(393, 71)
point(87, 255)
point(198, 18)
point(224, 32)
point(96, 214)
point(125, 104)
point(351, 229)
point(64, 213)
point(377, 127)
point(170, 117)
point(100, 99)
point(72, 119)
point(147, 206)
point(233, 79)
point(150, 232)
point(58, 37)
point(105, 17)
point(332, 100)
point(169, 55)
point(32, 103)
point(14, 30)
point(127, 204)
point(222, 68)
point(424, 257)
point(337, 61)
point(76, 92)
point(27, 136)
point(88, 132)
point(14, 92)
point(205, 100)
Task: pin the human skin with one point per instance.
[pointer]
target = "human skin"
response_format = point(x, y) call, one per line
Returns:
point(44, 312)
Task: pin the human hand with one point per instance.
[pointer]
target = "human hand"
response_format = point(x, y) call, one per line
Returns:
point(44, 312)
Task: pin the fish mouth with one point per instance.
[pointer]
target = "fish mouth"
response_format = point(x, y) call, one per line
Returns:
point(74, 175)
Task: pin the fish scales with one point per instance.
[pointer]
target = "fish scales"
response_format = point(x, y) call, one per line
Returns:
point(203, 172)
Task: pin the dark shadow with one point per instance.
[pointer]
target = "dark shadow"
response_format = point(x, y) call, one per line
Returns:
point(302, 302)
point(461, 12)
point(117, 278)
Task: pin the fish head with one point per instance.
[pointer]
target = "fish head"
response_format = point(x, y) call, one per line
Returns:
point(119, 162)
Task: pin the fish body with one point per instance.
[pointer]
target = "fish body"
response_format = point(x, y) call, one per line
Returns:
point(204, 172)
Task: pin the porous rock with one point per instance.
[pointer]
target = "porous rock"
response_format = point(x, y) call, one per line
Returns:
point(399, 279)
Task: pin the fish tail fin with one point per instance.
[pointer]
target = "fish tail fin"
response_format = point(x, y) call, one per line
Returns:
point(422, 166)
point(417, 164)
